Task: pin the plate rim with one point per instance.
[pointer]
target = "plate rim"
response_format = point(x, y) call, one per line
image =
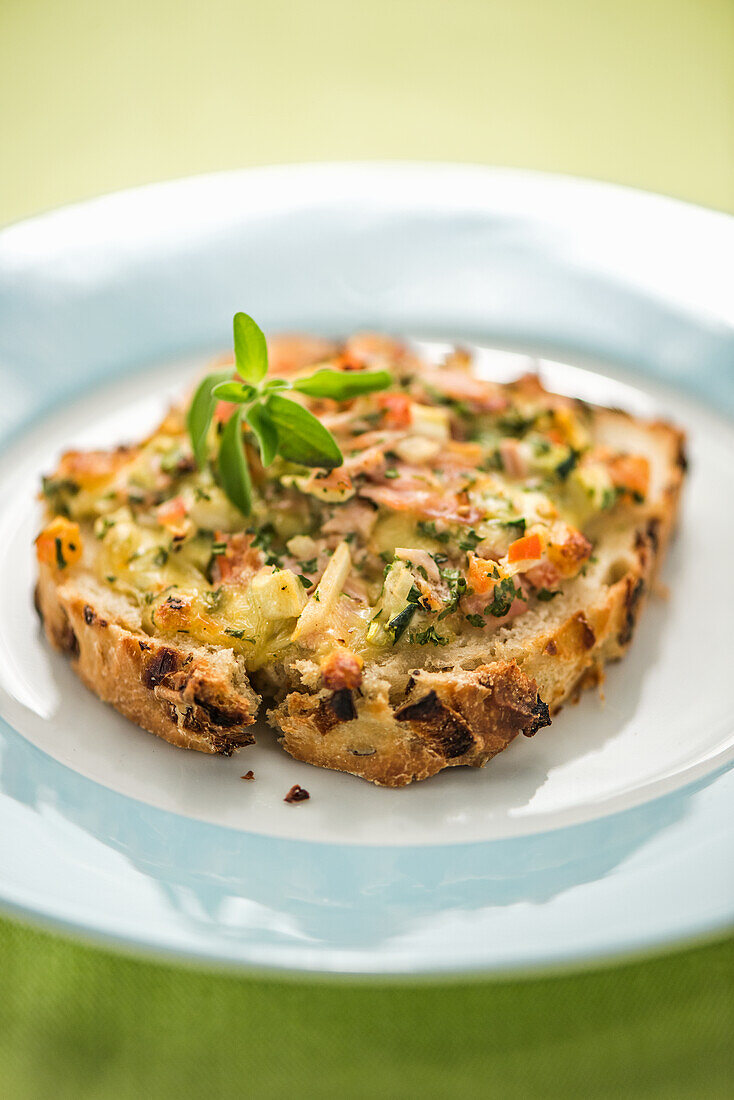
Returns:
point(24, 424)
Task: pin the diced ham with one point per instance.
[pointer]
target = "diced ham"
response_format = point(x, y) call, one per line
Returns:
point(428, 503)
point(370, 461)
point(294, 352)
point(419, 558)
point(459, 385)
point(355, 517)
point(397, 409)
point(368, 348)
point(240, 561)
point(514, 458)
point(173, 515)
point(544, 575)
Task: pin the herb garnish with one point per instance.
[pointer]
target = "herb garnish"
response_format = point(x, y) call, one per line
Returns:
point(280, 425)
point(428, 528)
point(502, 596)
point(475, 620)
point(237, 634)
point(546, 594)
point(516, 526)
point(428, 636)
point(469, 540)
point(458, 587)
point(563, 469)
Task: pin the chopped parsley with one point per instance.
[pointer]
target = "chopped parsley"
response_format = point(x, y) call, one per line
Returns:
point(213, 598)
point(60, 559)
point(503, 595)
point(429, 636)
point(515, 526)
point(52, 486)
point(429, 529)
point(476, 620)
point(469, 540)
point(457, 585)
point(238, 634)
point(563, 469)
point(546, 594)
point(103, 526)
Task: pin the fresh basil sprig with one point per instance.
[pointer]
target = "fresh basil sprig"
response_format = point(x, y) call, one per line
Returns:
point(280, 425)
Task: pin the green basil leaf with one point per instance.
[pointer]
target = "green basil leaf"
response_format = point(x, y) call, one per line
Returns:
point(200, 413)
point(301, 437)
point(234, 473)
point(239, 392)
point(342, 385)
point(267, 434)
point(250, 349)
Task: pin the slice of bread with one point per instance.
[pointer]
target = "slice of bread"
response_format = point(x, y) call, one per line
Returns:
point(392, 713)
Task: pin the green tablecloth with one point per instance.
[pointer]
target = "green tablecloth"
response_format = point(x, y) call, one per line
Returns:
point(83, 1024)
point(96, 96)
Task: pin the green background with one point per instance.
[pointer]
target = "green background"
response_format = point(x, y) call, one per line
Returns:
point(96, 96)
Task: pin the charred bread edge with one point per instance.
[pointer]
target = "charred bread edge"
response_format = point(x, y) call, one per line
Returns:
point(167, 689)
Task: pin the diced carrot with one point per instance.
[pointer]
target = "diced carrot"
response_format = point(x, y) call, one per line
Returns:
point(172, 513)
point(92, 469)
point(398, 409)
point(59, 544)
point(630, 472)
point(528, 548)
point(482, 575)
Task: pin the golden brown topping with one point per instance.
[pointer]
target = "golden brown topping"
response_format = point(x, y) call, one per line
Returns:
point(92, 469)
point(60, 544)
point(342, 669)
point(630, 473)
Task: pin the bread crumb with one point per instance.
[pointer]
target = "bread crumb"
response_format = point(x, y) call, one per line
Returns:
point(248, 775)
point(296, 794)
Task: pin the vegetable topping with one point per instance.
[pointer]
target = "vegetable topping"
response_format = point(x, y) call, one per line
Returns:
point(347, 499)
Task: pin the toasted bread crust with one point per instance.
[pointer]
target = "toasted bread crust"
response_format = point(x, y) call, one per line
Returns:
point(442, 720)
point(177, 693)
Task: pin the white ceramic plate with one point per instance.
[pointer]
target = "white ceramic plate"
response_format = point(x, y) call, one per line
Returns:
point(605, 833)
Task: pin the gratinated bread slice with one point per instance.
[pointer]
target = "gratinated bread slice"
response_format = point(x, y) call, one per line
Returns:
point(481, 553)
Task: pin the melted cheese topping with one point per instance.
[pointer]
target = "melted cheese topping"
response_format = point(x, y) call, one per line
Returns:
point(460, 503)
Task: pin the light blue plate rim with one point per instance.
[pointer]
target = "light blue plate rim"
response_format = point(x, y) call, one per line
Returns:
point(86, 859)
